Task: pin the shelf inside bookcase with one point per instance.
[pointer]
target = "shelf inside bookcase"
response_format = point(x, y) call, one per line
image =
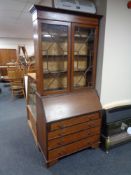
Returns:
point(54, 56)
point(55, 72)
point(64, 56)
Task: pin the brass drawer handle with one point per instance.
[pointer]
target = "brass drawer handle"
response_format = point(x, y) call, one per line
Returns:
point(60, 154)
point(61, 126)
point(92, 125)
point(60, 134)
point(60, 143)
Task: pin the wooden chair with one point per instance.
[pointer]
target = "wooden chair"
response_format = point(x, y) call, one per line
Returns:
point(15, 76)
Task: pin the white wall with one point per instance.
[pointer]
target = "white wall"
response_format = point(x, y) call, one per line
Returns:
point(116, 72)
point(11, 43)
point(45, 3)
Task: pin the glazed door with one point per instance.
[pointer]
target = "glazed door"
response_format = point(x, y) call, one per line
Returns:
point(31, 96)
point(55, 51)
point(84, 49)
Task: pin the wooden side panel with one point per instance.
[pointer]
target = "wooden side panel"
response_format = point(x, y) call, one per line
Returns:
point(41, 126)
point(32, 123)
point(38, 56)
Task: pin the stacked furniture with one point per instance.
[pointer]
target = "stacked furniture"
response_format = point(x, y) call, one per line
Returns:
point(26, 62)
point(6, 56)
point(115, 124)
point(64, 111)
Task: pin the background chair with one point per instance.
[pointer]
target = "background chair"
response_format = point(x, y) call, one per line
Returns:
point(16, 81)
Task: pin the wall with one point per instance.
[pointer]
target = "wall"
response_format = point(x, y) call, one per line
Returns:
point(11, 43)
point(101, 10)
point(48, 3)
point(116, 71)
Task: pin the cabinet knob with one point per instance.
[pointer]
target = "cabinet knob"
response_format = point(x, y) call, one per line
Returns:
point(60, 143)
point(61, 126)
point(60, 134)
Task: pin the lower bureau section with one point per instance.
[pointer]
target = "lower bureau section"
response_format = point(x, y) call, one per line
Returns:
point(65, 123)
point(73, 147)
point(63, 137)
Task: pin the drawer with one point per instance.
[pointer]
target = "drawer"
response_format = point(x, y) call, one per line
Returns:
point(71, 148)
point(73, 121)
point(73, 129)
point(72, 138)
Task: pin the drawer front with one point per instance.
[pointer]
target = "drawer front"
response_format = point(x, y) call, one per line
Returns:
point(73, 137)
point(73, 129)
point(73, 121)
point(71, 148)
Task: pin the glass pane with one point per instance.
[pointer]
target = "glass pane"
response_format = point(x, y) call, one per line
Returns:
point(55, 57)
point(83, 57)
point(32, 96)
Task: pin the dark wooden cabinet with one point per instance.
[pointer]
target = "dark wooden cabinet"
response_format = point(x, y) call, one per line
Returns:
point(67, 115)
point(68, 123)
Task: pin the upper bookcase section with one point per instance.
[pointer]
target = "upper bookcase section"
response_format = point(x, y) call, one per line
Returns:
point(65, 49)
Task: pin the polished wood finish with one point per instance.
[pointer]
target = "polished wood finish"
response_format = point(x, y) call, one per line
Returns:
point(73, 121)
point(66, 131)
point(68, 120)
point(72, 104)
point(74, 147)
point(61, 133)
point(82, 134)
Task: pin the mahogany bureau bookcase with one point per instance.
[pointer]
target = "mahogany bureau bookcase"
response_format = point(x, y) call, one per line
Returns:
point(64, 111)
